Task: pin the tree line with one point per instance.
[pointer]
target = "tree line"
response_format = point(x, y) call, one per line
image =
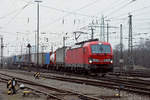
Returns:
point(141, 54)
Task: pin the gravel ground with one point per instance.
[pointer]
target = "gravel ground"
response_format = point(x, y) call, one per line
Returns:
point(82, 88)
point(18, 96)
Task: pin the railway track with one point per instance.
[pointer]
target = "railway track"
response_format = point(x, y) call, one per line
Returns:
point(113, 83)
point(143, 74)
point(126, 84)
point(50, 92)
point(133, 74)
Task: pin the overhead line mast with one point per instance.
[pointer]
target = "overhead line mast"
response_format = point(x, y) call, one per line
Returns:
point(38, 1)
point(130, 45)
point(2, 46)
point(121, 50)
point(102, 29)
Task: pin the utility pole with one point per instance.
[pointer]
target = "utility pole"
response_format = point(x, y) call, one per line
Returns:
point(102, 29)
point(103, 24)
point(64, 38)
point(121, 52)
point(64, 48)
point(29, 62)
point(107, 32)
point(2, 46)
point(52, 48)
point(29, 47)
point(38, 1)
point(107, 27)
point(92, 32)
point(42, 47)
point(21, 49)
point(35, 42)
point(130, 44)
point(121, 57)
point(101, 32)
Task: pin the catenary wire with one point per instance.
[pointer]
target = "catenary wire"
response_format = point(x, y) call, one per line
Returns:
point(112, 6)
point(120, 8)
point(18, 13)
point(124, 14)
point(69, 14)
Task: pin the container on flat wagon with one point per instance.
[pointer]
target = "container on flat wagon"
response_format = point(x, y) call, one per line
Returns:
point(47, 58)
point(19, 59)
point(41, 58)
point(33, 58)
point(26, 59)
point(60, 55)
point(53, 58)
point(14, 59)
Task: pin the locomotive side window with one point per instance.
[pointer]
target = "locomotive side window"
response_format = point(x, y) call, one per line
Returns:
point(100, 48)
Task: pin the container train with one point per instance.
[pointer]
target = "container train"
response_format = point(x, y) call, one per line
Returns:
point(87, 56)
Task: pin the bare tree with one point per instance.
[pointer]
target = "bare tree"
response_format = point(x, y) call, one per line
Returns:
point(141, 54)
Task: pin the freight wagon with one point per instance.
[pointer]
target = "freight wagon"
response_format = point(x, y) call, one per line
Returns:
point(87, 56)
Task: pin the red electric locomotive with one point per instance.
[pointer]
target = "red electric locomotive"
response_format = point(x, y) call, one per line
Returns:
point(92, 55)
point(86, 56)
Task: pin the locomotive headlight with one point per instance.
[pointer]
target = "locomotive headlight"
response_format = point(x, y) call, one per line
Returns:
point(108, 60)
point(111, 61)
point(90, 61)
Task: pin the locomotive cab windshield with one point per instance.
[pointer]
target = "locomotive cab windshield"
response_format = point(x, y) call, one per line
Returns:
point(100, 48)
point(101, 57)
point(100, 54)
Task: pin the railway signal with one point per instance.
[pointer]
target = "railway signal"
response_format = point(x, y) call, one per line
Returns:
point(29, 46)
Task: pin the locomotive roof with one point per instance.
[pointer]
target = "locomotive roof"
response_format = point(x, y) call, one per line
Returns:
point(86, 43)
point(79, 43)
point(95, 42)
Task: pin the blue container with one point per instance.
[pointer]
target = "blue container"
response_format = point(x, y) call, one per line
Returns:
point(17, 59)
point(20, 58)
point(14, 59)
point(47, 60)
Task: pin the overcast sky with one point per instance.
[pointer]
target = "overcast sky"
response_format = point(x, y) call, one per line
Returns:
point(18, 20)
